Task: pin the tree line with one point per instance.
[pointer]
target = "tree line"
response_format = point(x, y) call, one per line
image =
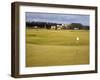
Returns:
point(48, 25)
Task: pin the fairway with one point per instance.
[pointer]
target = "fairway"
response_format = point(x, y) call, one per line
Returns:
point(56, 47)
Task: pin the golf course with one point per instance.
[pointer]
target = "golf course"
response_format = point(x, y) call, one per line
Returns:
point(56, 47)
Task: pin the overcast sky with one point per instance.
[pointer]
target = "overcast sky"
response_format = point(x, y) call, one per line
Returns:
point(58, 18)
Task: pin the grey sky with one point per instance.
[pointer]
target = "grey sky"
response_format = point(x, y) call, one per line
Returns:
point(58, 18)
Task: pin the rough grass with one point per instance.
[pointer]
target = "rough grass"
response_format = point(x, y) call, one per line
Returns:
point(56, 47)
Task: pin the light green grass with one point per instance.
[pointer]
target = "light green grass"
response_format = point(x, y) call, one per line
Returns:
point(56, 47)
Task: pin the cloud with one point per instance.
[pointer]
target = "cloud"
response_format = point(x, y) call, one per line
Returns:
point(57, 18)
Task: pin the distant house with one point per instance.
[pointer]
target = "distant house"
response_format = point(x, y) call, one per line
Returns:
point(76, 28)
point(53, 27)
point(35, 27)
point(60, 26)
point(65, 26)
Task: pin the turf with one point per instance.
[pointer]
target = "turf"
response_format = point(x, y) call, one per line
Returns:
point(56, 47)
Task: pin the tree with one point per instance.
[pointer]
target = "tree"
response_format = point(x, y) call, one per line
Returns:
point(75, 25)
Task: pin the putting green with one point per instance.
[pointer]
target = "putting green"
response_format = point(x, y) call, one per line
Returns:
point(56, 47)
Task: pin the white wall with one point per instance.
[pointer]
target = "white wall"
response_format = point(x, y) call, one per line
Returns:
point(5, 40)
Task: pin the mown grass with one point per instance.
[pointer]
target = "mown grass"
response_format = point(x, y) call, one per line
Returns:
point(56, 47)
